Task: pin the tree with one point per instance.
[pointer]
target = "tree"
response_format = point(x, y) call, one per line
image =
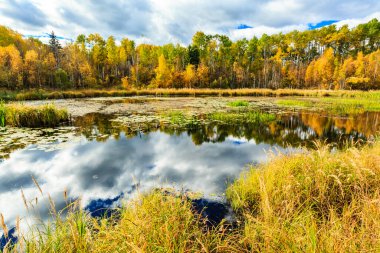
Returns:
point(10, 67)
point(193, 54)
point(98, 54)
point(189, 76)
point(113, 59)
point(325, 66)
point(49, 65)
point(328, 57)
point(32, 67)
point(163, 74)
point(55, 47)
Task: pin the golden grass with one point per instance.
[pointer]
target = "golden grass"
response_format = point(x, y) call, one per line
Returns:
point(19, 115)
point(316, 201)
point(154, 222)
point(60, 94)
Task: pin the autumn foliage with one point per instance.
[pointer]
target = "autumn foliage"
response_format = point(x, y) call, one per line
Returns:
point(326, 58)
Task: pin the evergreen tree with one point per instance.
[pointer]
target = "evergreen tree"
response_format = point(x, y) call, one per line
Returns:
point(55, 47)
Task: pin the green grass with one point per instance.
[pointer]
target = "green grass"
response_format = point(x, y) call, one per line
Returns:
point(316, 201)
point(238, 103)
point(19, 115)
point(180, 119)
point(175, 117)
point(239, 117)
point(2, 114)
point(294, 103)
point(335, 105)
point(312, 201)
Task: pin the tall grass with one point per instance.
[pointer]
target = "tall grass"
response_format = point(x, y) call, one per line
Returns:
point(316, 201)
point(153, 222)
point(56, 94)
point(19, 115)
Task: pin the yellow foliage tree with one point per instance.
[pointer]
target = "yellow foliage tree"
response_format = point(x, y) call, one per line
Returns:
point(325, 67)
point(310, 75)
point(163, 74)
point(125, 83)
point(32, 68)
point(189, 76)
point(373, 70)
point(203, 75)
point(10, 67)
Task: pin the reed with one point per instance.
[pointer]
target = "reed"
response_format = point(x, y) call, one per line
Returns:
point(19, 115)
point(153, 222)
point(314, 201)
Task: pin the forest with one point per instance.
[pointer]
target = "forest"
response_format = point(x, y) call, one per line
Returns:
point(325, 58)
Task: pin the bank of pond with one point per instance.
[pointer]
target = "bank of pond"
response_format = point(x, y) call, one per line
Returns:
point(41, 94)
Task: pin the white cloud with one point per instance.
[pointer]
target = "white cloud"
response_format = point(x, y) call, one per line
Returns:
point(260, 30)
point(164, 21)
point(356, 21)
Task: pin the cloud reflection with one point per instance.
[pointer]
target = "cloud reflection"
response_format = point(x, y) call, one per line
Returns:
point(105, 170)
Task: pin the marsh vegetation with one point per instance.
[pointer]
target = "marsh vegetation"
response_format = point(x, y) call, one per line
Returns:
point(20, 115)
point(297, 199)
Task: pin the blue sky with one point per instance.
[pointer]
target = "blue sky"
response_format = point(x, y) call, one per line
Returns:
point(164, 21)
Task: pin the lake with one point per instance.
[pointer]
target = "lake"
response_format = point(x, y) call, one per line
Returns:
point(103, 162)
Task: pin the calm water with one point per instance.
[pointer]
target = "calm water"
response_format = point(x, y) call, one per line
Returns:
point(106, 163)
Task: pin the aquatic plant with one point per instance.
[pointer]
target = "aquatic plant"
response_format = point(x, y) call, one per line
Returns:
point(179, 119)
point(294, 103)
point(242, 116)
point(238, 103)
point(19, 115)
point(2, 114)
point(335, 105)
point(313, 201)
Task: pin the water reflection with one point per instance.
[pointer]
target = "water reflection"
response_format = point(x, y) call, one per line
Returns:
point(94, 170)
point(294, 129)
point(111, 161)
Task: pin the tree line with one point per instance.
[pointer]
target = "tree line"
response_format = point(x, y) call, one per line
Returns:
point(325, 58)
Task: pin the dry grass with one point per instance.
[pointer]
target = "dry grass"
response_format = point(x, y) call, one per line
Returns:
point(317, 201)
point(154, 222)
point(46, 94)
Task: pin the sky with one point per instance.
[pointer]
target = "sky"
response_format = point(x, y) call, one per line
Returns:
point(176, 21)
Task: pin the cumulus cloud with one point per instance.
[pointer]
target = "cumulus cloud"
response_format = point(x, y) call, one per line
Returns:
point(164, 21)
